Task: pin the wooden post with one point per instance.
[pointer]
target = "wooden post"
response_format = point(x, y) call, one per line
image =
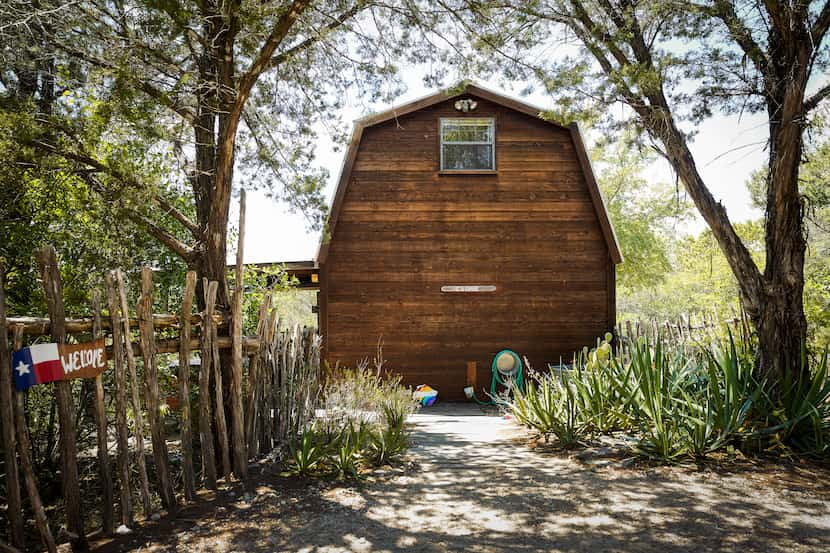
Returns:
point(13, 502)
point(24, 447)
point(240, 453)
point(122, 432)
point(274, 341)
point(188, 475)
point(138, 418)
point(50, 275)
point(219, 404)
point(254, 380)
point(472, 376)
point(100, 415)
point(205, 433)
point(151, 390)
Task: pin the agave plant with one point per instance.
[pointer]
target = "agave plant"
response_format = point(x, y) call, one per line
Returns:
point(800, 415)
point(346, 450)
point(603, 387)
point(550, 405)
point(657, 376)
point(306, 455)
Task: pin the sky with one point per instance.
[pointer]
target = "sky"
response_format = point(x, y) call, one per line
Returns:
point(727, 149)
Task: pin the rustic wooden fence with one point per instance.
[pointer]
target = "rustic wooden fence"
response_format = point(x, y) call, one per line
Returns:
point(272, 397)
point(687, 331)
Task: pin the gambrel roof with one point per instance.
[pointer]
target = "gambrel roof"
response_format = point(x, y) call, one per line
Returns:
point(468, 88)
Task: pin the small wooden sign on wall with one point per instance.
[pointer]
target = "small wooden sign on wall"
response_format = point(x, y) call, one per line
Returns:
point(469, 288)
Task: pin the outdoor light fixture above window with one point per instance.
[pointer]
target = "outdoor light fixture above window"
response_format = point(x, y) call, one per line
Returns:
point(468, 144)
point(466, 105)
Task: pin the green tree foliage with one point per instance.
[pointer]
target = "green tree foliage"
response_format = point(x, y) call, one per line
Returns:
point(199, 98)
point(43, 201)
point(699, 280)
point(644, 214)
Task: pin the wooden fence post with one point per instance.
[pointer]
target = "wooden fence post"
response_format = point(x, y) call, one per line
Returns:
point(100, 414)
point(205, 432)
point(266, 375)
point(254, 380)
point(138, 418)
point(24, 448)
point(188, 475)
point(13, 501)
point(120, 405)
point(240, 454)
point(219, 402)
point(50, 275)
point(151, 390)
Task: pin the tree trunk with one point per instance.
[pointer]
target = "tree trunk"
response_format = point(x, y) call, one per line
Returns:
point(780, 321)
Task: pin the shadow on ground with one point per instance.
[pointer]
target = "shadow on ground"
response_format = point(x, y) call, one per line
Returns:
point(473, 489)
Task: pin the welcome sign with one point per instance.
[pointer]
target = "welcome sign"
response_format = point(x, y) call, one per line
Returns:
point(44, 363)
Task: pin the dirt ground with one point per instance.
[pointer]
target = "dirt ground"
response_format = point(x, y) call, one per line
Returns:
point(473, 485)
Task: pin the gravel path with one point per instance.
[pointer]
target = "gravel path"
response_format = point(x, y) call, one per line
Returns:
point(472, 488)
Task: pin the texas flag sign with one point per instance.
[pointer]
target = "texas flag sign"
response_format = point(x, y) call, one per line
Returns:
point(43, 363)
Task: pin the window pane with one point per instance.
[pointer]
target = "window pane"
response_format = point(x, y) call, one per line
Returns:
point(466, 133)
point(468, 156)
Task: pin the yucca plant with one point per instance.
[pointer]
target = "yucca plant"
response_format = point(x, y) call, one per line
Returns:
point(346, 450)
point(800, 415)
point(657, 376)
point(549, 405)
point(602, 384)
point(387, 444)
point(306, 455)
point(731, 393)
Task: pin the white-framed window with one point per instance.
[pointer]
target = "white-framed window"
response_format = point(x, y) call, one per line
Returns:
point(468, 144)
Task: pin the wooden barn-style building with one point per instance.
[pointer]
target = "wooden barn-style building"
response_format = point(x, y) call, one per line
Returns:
point(462, 224)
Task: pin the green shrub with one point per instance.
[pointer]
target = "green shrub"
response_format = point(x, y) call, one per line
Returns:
point(365, 394)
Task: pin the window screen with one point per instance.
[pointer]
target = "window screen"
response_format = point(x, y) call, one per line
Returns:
point(467, 144)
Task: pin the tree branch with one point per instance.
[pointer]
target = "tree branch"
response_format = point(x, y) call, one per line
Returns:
point(172, 243)
point(174, 212)
point(310, 41)
point(813, 101)
point(820, 26)
point(263, 59)
point(656, 116)
point(725, 11)
point(101, 167)
point(159, 95)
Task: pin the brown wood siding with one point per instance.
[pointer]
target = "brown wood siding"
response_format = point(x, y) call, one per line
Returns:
point(404, 230)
